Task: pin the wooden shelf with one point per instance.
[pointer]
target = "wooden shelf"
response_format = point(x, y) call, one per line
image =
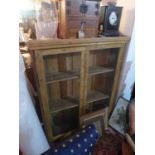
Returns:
point(91, 97)
point(60, 76)
point(60, 105)
point(96, 96)
point(99, 70)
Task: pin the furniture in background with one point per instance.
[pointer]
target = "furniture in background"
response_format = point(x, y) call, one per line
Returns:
point(75, 77)
point(74, 13)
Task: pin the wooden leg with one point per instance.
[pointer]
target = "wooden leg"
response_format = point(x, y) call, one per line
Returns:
point(126, 149)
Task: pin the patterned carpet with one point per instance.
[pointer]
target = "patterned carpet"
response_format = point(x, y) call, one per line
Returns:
point(109, 144)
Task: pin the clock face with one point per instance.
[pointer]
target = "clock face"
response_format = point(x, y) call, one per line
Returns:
point(113, 18)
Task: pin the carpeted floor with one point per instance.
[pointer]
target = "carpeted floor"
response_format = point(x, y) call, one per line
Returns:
point(109, 144)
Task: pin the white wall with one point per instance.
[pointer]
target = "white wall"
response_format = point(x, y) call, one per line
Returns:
point(130, 77)
point(127, 28)
point(128, 16)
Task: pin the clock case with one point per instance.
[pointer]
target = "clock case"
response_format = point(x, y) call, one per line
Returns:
point(108, 29)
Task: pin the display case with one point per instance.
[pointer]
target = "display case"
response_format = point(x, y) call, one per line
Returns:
point(75, 77)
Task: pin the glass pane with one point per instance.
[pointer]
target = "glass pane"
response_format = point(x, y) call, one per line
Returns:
point(64, 121)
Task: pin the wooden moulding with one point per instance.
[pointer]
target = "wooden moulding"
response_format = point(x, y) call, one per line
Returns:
point(43, 95)
point(116, 77)
point(57, 43)
point(89, 116)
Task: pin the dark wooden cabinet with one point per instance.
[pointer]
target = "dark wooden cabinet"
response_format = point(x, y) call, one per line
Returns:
point(71, 18)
